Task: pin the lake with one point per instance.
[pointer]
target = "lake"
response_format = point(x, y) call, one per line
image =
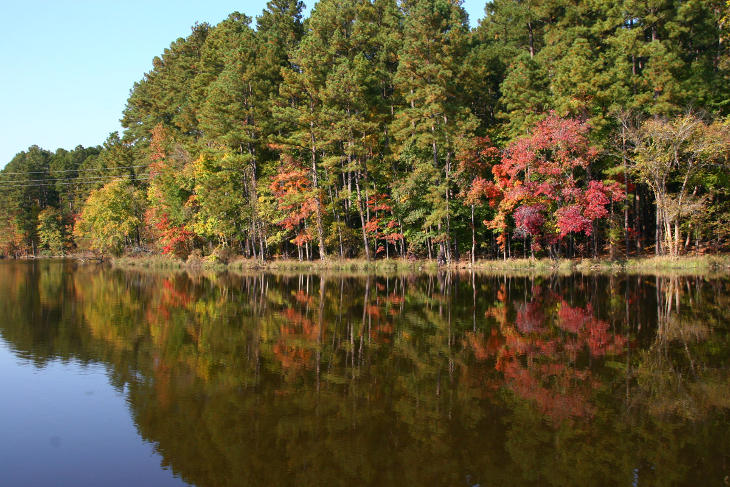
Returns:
point(112, 377)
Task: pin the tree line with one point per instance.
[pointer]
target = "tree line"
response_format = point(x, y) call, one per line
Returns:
point(382, 128)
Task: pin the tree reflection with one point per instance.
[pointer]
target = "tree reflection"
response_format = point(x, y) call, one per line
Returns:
point(684, 371)
point(442, 379)
point(542, 347)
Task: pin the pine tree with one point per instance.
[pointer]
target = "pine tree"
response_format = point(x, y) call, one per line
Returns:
point(229, 124)
point(165, 94)
point(428, 127)
point(279, 30)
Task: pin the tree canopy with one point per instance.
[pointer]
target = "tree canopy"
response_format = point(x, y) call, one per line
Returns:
point(379, 128)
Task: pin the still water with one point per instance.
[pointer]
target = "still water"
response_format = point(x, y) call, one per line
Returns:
point(110, 378)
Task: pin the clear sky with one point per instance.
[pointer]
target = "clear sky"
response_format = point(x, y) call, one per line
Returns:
point(66, 66)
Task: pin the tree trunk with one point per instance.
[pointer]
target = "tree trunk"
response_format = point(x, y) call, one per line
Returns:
point(627, 242)
point(611, 245)
point(442, 251)
point(676, 237)
point(337, 219)
point(318, 206)
point(428, 245)
point(262, 241)
point(448, 216)
point(473, 237)
point(362, 217)
point(657, 232)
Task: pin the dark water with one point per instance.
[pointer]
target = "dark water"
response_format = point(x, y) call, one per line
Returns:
point(118, 378)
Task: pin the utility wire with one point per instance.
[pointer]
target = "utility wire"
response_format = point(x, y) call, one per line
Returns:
point(62, 179)
point(74, 180)
point(74, 170)
point(79, 182)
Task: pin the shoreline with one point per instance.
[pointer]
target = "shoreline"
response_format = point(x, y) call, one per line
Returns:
point(715, 264)
point(709, 264)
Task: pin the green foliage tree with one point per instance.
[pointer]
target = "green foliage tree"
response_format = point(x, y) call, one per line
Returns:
point(111, 219)
point(433, 120)
point(670, 156)
point(52, 235)
point(164, 95)
point(28, 189)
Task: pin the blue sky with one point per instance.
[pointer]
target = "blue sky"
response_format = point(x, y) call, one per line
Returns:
point(67, 65)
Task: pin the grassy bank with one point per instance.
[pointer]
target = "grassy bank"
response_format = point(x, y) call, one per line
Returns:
point(703, 264)
point(706, 264)
point(154, 262)
point(651, 265)
point(246, 265)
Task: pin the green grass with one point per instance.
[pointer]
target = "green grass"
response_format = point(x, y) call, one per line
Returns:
point(710, 263)
point(332, 265)
point(152, 262)
point(700, 261)
point(542, 265)
point(703, 264)
point(683, 265)
point(719, 264)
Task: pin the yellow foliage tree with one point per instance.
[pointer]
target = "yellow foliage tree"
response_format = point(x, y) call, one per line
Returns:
point(111, 218)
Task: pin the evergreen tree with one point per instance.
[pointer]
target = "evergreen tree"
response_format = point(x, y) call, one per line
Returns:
point(164, 95)
point(433, 120)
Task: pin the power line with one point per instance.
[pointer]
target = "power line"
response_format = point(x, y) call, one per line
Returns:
point(62, 179)
point(75, 180)
point(49, 187)
point(75, 170)
point(73, 183)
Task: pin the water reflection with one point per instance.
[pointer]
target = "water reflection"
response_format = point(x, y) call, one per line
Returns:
point(404, 380)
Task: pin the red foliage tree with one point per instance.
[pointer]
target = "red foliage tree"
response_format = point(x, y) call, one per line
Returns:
point(382, 224)
point(542, 181)
point(164, 216)
point(295, 198)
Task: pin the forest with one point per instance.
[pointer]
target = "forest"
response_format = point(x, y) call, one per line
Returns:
point(382, 129)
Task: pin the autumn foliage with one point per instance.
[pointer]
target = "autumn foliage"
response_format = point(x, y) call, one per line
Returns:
point(540, 351)
point(295, 199)
point(542, 184)
point(382, 225)
point(163, 218)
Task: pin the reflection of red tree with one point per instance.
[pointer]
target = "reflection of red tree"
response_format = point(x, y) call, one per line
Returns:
point(382, 332)
point(292, 358)
point(382, 329)
point(502, 293)
point(485, 348)
point(373, 311)
point(162, 381)
point(538, 353)
point(299, 325)
point(591, 331)
point(171, 299)
point(559, 390)
point(530, 317)
point(304, 298)
point(292, 349)
point(379, 312)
